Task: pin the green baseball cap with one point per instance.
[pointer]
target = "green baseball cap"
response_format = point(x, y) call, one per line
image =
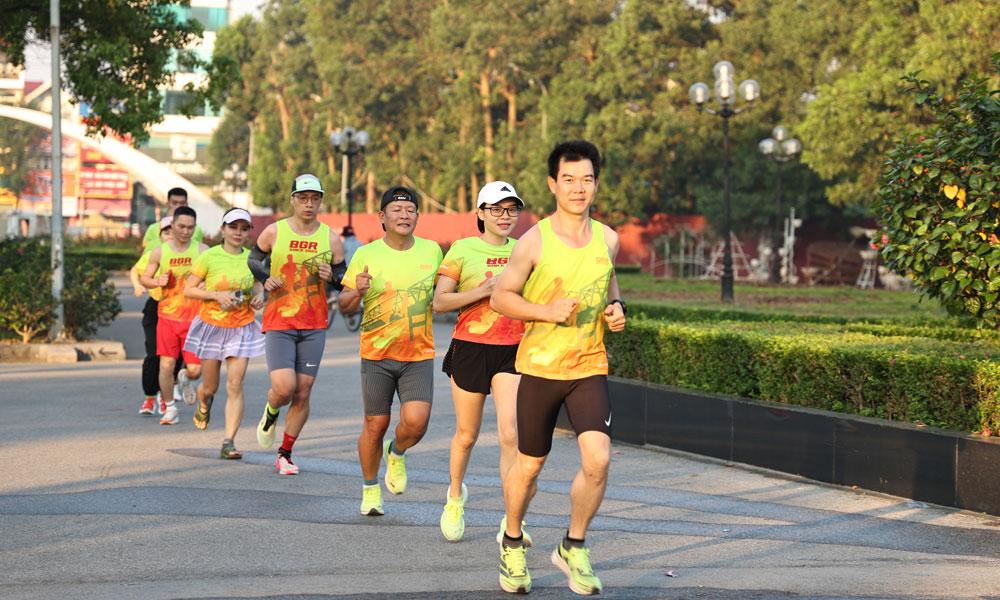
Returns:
point(307, 183)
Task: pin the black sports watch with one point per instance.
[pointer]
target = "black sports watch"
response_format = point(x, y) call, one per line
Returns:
point(620, 302)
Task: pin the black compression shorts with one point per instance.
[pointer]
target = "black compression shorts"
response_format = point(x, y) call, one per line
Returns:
point(472, 365)
point(588, 406)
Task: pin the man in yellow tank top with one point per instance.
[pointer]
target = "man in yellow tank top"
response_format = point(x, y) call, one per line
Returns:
point(560, 280)
point(305, 256)
point(167, 269)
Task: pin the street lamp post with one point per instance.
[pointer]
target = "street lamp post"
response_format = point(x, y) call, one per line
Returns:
point(749, 91)
point(236, 177)
point(348, 142)
point(778, 149)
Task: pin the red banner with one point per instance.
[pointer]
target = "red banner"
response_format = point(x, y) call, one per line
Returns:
point(100, 182)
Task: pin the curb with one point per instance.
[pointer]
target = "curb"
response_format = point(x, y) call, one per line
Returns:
point(69, 352)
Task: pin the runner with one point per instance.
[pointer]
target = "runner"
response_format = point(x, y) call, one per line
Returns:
point(225, 329)
point(565, 267)
point(176, 198)
point(484, 343)
point(304, 255)
point(168, 268)
point(395, 276)
point(151, 363)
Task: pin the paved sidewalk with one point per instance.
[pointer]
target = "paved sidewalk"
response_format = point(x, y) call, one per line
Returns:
point(98, 502)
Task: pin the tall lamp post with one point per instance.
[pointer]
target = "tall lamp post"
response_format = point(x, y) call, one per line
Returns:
point(235, 176)
point(779, 149)
point(749, 91)
point(348, 142)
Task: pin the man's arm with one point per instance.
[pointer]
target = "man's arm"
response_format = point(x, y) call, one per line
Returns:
point(148, 277)
point(613, 313)
point(261, 249)
point(337, 265)
point(507, 299)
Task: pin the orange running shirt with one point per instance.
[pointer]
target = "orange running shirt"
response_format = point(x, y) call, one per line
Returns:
point(173, 305)
point(574, 349)
point(471, 261)
point(225, 272)
point(301, 302)
point(397, 323)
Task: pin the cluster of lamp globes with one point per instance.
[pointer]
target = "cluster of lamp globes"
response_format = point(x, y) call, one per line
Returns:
point(749, 90)
point(341, 139)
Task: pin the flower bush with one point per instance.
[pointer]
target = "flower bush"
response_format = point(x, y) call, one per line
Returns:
point(938, 206)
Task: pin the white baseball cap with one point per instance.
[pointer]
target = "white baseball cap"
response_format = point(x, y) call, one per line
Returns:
point(238, 214)
point(496, 191)
point(166, 222)
point(307, 183)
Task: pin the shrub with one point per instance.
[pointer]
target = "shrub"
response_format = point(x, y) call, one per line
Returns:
point(919, 380)
point(939, 203)
point(26, 302)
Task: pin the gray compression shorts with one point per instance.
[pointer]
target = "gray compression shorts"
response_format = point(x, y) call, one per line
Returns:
point(381, 379)
point(299, 349)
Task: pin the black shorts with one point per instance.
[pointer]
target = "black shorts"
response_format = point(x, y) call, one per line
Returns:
point(472, 365)
point(588, 406)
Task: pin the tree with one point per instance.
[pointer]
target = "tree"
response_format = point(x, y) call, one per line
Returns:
point(939, 205)
point(117, 56)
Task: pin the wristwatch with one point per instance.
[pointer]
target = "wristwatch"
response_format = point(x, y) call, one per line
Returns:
point(620, 302)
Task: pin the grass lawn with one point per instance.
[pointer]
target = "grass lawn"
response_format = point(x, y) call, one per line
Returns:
point(829, 301)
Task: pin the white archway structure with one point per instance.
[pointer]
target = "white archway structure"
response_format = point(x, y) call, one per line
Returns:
point(154, 176)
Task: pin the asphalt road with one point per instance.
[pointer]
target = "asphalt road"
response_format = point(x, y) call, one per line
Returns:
point(99, 502)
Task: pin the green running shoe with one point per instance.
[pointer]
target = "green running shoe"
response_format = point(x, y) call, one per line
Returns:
point(371, 502)
point(575, 563)
point(503, 529)
point(395, 470)
point(514, 576)
point(452, 519)
point(265, 429)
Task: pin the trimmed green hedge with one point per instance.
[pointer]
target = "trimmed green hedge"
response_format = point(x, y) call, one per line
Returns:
point(111, 259)
point(949, 384)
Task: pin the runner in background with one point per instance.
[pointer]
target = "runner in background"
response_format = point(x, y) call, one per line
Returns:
point(151, 362)
point(176, 198)
point(225, 328)
point(484, 343)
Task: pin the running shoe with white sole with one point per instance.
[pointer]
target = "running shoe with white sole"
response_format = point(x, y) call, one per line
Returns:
point(285, 465)
point(177, 393)
point(189, 388)
point(575, 564)
point(161, 406)
point(169, 415)
point(514, 575)
point(371, 501)
point(266, 428)
point(148, 406)
point(453, 516)
point(503, 529)
point(395, 470)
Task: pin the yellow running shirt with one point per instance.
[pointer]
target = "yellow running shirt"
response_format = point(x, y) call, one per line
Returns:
point(140, 266)
point(301, 302)
point(397, 323)
point(471, 261)
point(223, 271)
point(574, 349)
point(173, 305)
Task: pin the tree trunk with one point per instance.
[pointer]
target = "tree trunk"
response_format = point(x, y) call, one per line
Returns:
point(484, 95)
point(370, 194)
point(510, 94)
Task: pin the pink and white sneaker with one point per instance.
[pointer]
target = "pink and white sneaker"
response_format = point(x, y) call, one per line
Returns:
point(285, 465)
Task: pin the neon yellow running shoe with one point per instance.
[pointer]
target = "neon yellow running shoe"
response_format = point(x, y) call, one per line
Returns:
point(371, 501)
point(395, 470)
point(266, 428)
point(503, 529)
point(514, 576)
point(452, 518)
point(575, 563)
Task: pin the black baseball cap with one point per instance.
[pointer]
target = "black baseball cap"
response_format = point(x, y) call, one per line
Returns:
point(398, 193)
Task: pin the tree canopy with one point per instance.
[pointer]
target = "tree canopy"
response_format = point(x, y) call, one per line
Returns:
point(455, 94)
point(116, 55)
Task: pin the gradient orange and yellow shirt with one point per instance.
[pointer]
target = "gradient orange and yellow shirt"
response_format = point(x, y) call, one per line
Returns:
point(397, 322)
point(173, 305)
point(573, 349)
point(472, 261)
point(301, 302)
point(225, 272)
point(140, 266)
